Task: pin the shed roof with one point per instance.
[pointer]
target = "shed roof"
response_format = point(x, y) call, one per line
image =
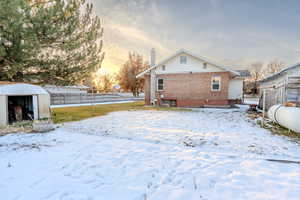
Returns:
point(14, 88)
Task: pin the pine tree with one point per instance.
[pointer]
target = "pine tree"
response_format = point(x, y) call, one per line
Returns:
point(49, 41)
point(17, 41)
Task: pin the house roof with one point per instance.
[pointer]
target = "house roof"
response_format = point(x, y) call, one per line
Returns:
point(280, 73)
point(191, 54)
point(244, 73)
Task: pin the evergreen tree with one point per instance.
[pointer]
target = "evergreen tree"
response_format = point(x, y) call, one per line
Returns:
point(49, 41)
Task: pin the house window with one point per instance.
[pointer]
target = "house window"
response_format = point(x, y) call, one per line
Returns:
point(216, 83)
point(160, 84)
point(183, 59)
point(204, 65)
point(163, 67)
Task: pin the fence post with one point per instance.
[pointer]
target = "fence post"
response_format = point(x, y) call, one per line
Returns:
point(264, 108)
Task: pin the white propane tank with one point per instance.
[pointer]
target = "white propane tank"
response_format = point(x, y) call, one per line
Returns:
point(288, 117)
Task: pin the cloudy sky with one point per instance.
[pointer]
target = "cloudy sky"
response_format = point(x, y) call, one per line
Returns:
point(231, 32)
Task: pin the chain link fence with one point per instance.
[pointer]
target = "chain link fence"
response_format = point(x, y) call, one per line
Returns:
point(83, 98)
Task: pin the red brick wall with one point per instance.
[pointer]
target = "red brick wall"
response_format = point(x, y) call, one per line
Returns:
point(147, 89)
point(195, 89)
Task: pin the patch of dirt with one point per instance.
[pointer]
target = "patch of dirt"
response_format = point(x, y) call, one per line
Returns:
point(15, 129)
point(189, 142)
point(279, 130)
point(27, 127)
point(17, 146)
point(254, 115)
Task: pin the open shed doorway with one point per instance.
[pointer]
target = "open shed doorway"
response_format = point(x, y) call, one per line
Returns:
point(20, 108)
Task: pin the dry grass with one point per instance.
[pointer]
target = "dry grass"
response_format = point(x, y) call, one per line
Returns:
point(280, 130)
point(275, 129)
point(20, 127)
point(68, 114)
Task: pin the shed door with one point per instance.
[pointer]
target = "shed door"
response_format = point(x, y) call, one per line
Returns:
point(35, 107)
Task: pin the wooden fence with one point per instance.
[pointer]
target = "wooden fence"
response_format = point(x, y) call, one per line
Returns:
point(69, 98)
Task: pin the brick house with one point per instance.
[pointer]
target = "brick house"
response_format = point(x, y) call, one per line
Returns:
point(187, 80)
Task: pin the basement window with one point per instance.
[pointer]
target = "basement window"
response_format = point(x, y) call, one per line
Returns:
point(216, 83)
point(160, 84)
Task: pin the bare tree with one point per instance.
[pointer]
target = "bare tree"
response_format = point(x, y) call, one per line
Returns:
point(104, 82)
point(256, 75)
point(273, 67)
point(127, 75)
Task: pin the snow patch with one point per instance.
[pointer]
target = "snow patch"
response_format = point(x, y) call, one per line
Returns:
point(139, 155)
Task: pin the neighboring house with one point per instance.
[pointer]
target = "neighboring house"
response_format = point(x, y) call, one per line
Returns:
point(20, 101)
point(244, 73)
point(248, 81)
point(281, 87)
point(185, 79)
point(74, 89)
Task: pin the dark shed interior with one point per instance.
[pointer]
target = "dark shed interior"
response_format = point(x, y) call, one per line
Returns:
point(20, 108)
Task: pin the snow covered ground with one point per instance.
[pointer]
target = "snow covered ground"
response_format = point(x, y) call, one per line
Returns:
point(151, 155)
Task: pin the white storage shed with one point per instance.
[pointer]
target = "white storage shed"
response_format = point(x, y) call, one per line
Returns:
point(21, 101)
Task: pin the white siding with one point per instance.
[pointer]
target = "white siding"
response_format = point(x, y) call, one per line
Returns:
point(193, 65)
point(35, 107)
point(44, 106)
point(271, 83)
point(3, 110)
point(279, 80)
point(235, 90)
point(295, 71)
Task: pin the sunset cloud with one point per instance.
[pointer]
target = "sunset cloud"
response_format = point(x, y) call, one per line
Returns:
point(231, 32)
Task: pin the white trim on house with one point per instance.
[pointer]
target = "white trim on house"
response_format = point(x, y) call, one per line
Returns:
point(220, 80)
point(191, 54)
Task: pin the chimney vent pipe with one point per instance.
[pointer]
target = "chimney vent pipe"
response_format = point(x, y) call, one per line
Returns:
point(152, 57)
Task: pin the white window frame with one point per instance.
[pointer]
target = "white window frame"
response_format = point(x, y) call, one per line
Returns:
point(158, 84)
point(180, 60)
point(220, 80)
